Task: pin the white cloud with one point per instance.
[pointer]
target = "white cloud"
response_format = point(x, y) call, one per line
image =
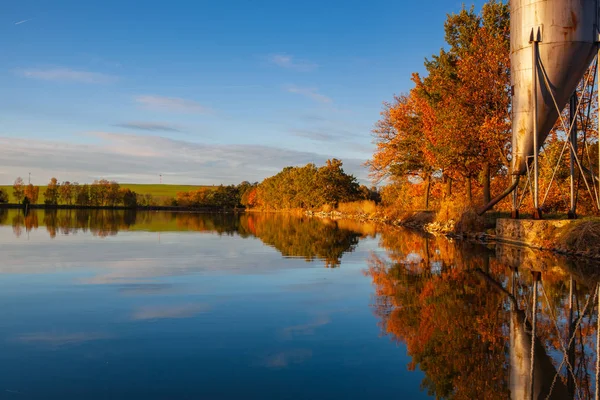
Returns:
point(141, 158)
point(149, 126)
point(65, 75)
point(311, 93)
point(23, 21)
point(173, 104)
point(289, 62)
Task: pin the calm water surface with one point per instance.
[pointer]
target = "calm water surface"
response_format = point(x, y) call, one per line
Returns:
point(100, 305)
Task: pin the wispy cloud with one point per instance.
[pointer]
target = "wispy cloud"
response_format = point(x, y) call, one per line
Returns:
point(289, 62)
point(59, 339)
point(173, 104)
point(140, 158)
point(65, 75)
point(22, 22)
point(169, 312)
point(149, 126)
point(287, 358)
point(305, 329)
point(311, 93)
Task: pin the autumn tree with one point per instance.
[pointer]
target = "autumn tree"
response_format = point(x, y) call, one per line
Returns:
point(18, 189)
point(82, 194)
point(52, 192)
point(66, 193)
point(3, 196)
point(468, 89)
point(32, 193)
point(402, 151)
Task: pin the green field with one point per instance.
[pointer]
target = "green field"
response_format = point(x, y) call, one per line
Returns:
point(156, 190)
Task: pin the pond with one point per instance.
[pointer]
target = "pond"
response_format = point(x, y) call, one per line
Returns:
point(106, 304)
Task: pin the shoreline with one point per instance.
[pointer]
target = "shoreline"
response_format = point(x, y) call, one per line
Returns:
point(12, 206)
point(423, 222)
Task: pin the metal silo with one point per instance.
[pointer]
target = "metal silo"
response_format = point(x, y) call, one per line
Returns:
point(559, 37)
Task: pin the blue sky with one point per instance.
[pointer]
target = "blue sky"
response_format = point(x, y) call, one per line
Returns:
point(202, 92)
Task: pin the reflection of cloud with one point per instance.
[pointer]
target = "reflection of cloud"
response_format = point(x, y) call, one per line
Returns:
point(54, 339)
point(289, 62)
point(286, 358)
point(66, 75)
point(311, 93)
point(305, 329)
point(145, 288)
point(149, 126)
point(169, 312)
point(174, 104)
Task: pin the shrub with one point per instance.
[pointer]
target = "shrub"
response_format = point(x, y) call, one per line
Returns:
point(358, 207)
point(456, 212)
point(581, 237)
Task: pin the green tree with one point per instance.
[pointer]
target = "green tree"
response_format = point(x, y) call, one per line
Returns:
point(334, 185)
point(129, 198)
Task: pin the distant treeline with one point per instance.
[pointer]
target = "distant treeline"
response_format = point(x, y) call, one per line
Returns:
point(308, 188)
point(100, 193)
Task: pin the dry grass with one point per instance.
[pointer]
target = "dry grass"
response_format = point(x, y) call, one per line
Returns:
point(417, 218)
point(326, 208)
point(358, 207)
point(463, 217)
point(581, 237)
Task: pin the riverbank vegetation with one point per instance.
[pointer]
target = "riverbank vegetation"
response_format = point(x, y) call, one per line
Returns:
point(446, 144)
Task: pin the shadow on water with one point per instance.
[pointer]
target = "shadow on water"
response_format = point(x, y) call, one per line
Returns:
point(292, 236)
point(466, 315)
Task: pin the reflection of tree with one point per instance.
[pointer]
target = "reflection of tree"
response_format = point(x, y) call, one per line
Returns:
point(458, 329)
point(449, 324)
point(3, 216)
point(291, 235)
point(302, 237)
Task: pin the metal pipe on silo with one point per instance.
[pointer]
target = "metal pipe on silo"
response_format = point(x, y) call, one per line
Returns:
point(573, 139)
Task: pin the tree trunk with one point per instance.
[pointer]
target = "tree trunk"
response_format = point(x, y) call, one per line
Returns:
point(427, 190)
point(448, 192)
point(469, 190)
point(486, 183)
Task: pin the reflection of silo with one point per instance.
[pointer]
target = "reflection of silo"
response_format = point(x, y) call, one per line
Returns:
point(565, 33)
point(545, 386)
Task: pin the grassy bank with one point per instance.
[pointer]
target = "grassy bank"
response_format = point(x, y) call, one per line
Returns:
point(155, 190)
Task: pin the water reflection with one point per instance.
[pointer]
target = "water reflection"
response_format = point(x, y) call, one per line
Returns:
point(491, 322)
point(466, 315)
point(292, 236)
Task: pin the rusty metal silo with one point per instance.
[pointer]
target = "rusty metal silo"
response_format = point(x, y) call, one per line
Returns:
point(565, 33)
point(559, 37)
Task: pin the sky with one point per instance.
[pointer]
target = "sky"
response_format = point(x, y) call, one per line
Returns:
point(201, 92)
